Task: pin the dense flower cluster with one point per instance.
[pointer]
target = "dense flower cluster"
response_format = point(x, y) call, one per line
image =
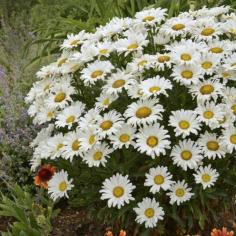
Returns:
point(162, 87)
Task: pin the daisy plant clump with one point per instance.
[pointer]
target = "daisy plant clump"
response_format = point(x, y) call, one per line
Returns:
point(140, 116)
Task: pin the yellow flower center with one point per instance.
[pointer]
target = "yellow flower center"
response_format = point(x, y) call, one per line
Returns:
point(59, 146)
point(163, 58)
point(142, 63)
point(118, 191)
point(187, 74)
point(185, 57)
point(154, 89)
point(76, 145)
point(178, 27)
point(103, 51)
point(61, 61)
point(92, 139)
point(184, 124)
point(179, 192)
point(206, 65)
point(62, 186)
point(118, 83)
point(106, 102)
point(206, 178)
point(207, 31)
point(149, 212)
point(159, 179)
point(207, 89)
point(74, 42)
point(213, 145)
point(59, 97)
point(106, 125)
point(50, 114)
point(233, 139)
point(216, 50)
point(46, 87)
point(233, 108)
point(96, 74)
point(226, 75)
point(70, 119)
point(186, 155)
point(124, 138)
point(132, 46)
point(152, 141)
point(208, 114)
point(148, 18)
point(143, 112)
point(97, 156)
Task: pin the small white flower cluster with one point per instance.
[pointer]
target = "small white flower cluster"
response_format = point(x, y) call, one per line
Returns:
point(162, 87)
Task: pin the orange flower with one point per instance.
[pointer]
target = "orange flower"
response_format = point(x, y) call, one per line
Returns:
point(122, 233)
point(223, 232)
point(44, 175)
point(109, 233)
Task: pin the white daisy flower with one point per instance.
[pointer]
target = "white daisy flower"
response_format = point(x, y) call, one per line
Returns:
point(72, 145)
point(162, 61)
point(179, 193)
point(109, 123)
point(209, 89)
point(117, 190)
point(88, 138)
point(151, 16)
point(59, 185)
point(158, 178)
point(134, 91)
point(40, 89)
point(209, 63)
point(97, 155)
point(186, 155)
point(152, 140)
point(89, 119)
point(155, 86)
point(185, 52)
point(70, 115)
point(186, 74)
point(185, 122)
point(60, 93)
point(177, 26)
point(207, 30)
point(229, 139)
point(133, 43)
point(206, 176)
point(124, 137)
point(47, 71)
point(140, 63)
point(143, 112)
point(209, 113)
point(54, 146)
point(45, 114)
point(105, 100)
point(117, 82)
point(211, 146)
point(149, 212)
point(104, 48)
point(96, 71)
point(219, 48)
point(73, 40)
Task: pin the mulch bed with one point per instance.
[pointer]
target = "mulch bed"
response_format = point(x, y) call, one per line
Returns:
point(73, 222)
